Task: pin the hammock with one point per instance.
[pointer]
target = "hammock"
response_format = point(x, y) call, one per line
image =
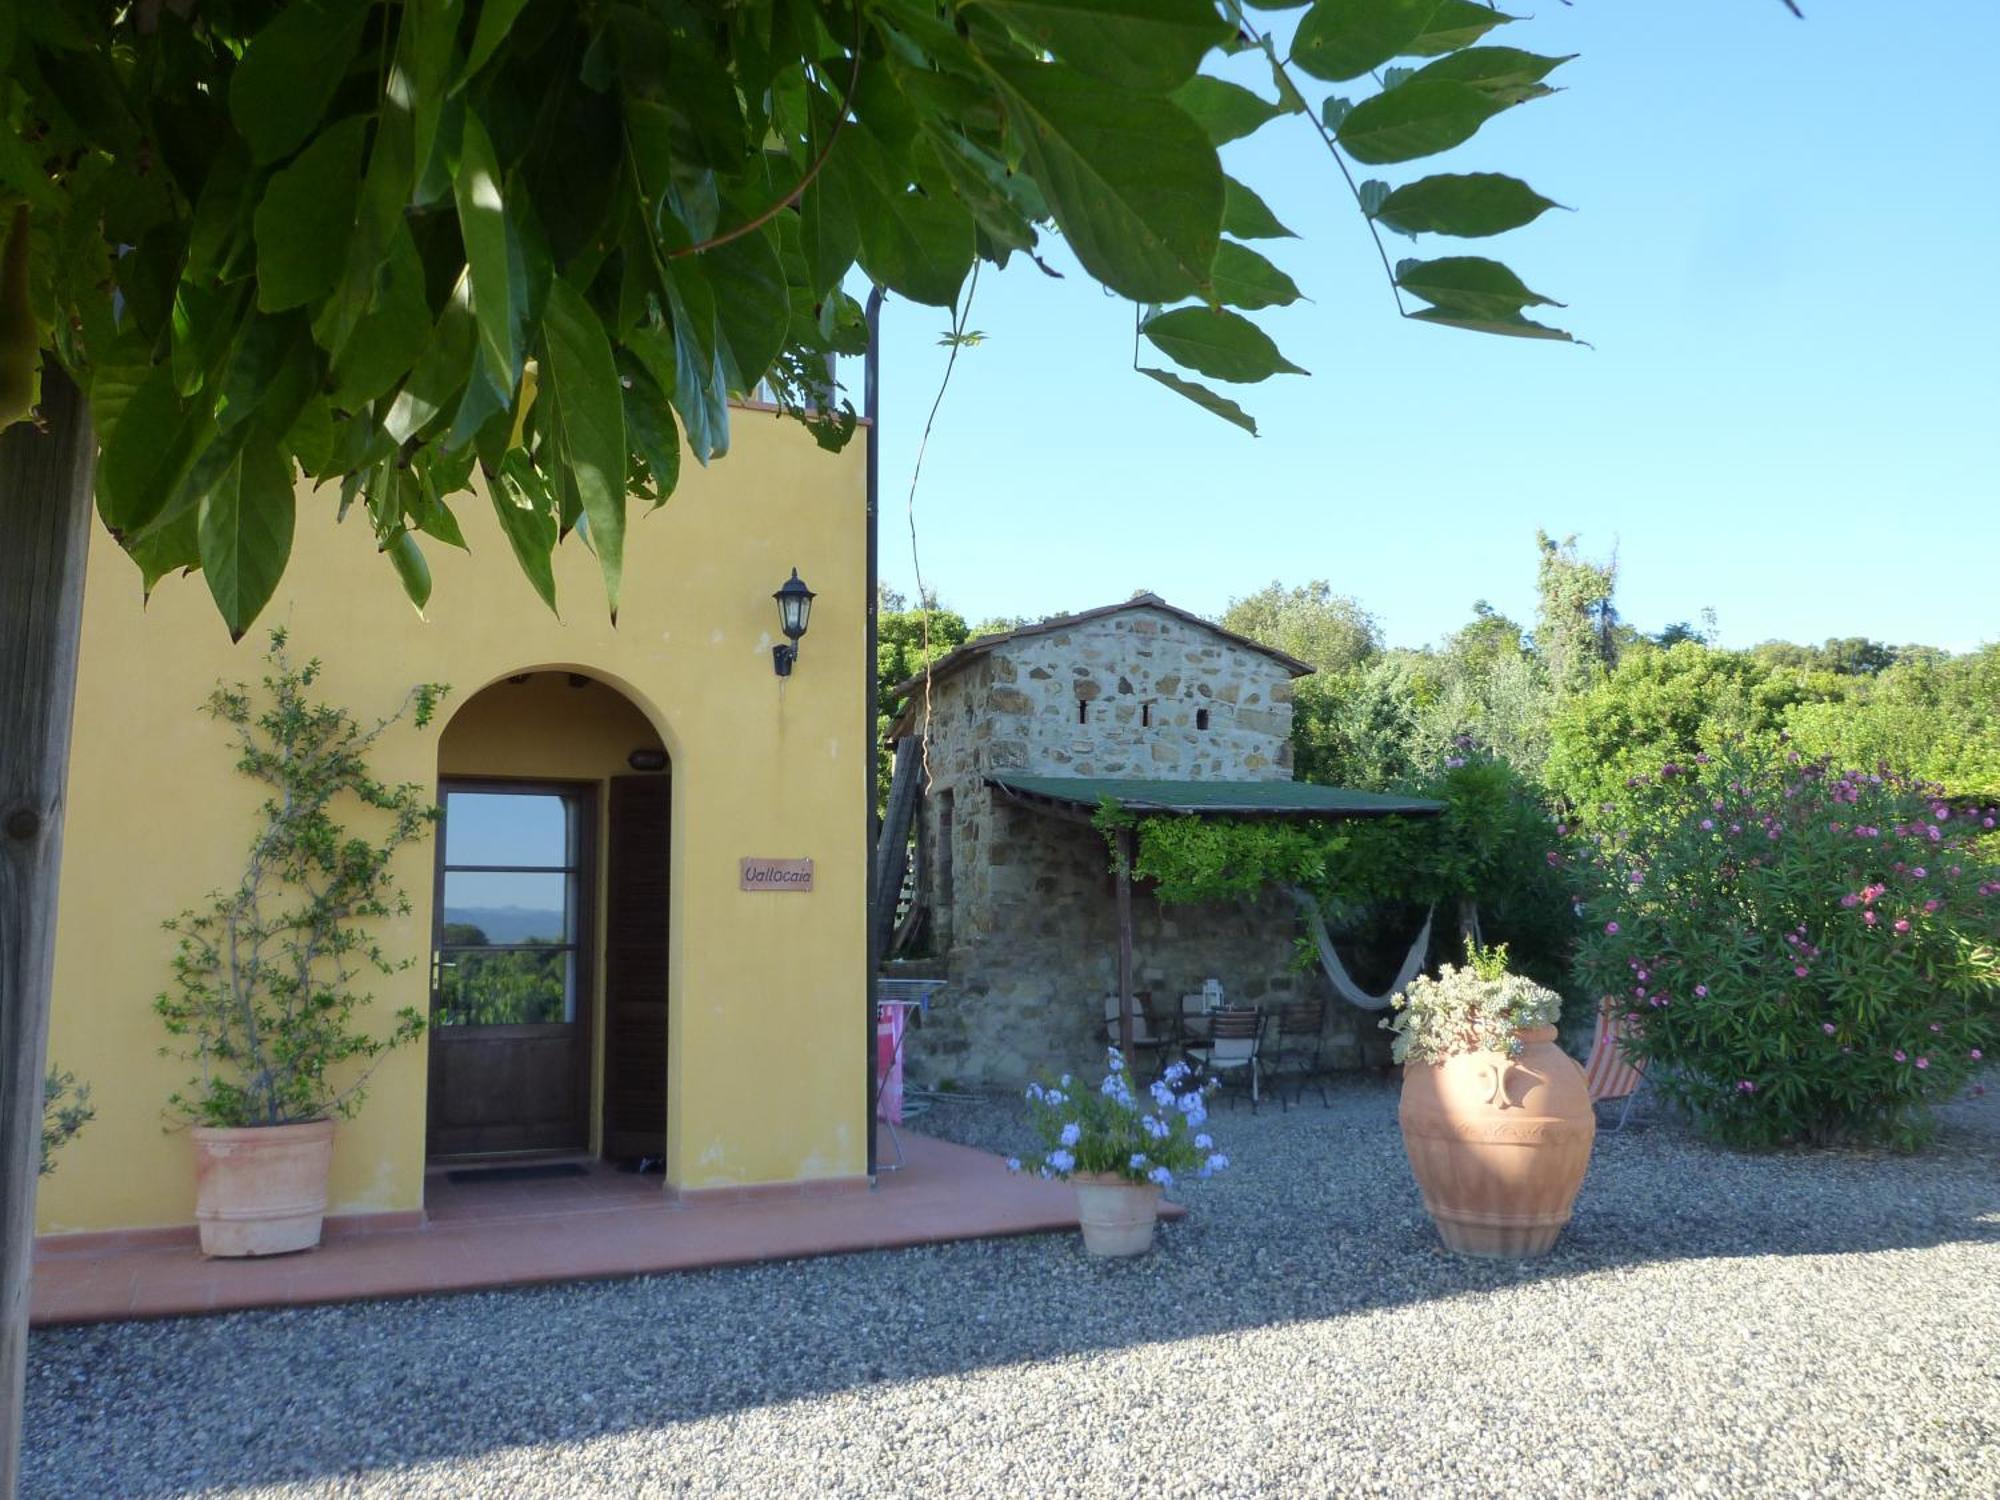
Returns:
point(1336, 972)
point(1413, 962)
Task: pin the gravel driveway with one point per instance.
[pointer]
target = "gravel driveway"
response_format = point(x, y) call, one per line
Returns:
point(1711, 1324)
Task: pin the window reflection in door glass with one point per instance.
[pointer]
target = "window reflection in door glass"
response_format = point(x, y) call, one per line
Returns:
point(508, 926)
point(521, 987)
point(507, 828)
point(483, 907)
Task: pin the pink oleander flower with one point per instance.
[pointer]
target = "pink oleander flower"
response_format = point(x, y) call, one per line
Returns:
point(1850, 900)
point(1827, 1027)
point(1611, 928)
point(1923, 1062)
point(1902, 924)
point(1800, 970)
point(1868, 917)
point(1899, 1056)
point(1936, 1027)
point(1708, 825)
point(1975, 1054)
point(1701, 991)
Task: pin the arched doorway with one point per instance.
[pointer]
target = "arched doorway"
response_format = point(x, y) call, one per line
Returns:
point(549, 966)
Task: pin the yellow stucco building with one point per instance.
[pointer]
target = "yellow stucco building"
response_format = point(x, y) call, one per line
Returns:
point(602, 787)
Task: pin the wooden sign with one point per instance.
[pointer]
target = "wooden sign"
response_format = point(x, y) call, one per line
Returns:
point(777, 874)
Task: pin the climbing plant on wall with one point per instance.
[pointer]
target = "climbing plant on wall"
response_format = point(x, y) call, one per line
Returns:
point(1490, 856)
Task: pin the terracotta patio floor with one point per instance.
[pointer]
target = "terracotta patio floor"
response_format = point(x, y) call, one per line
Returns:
point(608, 1223)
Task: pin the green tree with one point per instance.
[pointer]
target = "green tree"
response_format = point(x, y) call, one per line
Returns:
point(1485, 641)
point(1936, 718)
point(1329, 631)
point(1575, 622)
point(1662, 706)
point(1852, 656)
point(1358, 729)
point(900, 655)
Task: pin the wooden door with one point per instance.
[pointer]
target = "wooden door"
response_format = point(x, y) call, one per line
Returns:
point(635, 967)
point(511, 969)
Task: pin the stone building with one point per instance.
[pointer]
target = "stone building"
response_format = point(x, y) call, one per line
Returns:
point(1020, 904)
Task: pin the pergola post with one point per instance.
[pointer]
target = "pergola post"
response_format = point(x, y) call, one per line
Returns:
point(1126, 854)
point(45, 479)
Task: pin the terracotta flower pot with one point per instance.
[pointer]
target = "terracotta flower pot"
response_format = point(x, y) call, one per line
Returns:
point(1117, 1216)
point(1499, 1144)
point(261, 1190)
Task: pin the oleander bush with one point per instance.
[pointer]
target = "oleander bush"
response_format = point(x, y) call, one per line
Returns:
point(1811, 955)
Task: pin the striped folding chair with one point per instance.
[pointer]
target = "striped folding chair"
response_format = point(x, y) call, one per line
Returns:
point(1610, 1073)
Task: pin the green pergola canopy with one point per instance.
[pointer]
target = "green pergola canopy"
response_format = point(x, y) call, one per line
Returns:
point(1236, 799)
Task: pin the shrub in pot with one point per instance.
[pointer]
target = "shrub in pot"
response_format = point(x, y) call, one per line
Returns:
point(1119, 1146)
point(65, 1110)
point(1810, 955)
point(1496, 1117)
point(266, 999)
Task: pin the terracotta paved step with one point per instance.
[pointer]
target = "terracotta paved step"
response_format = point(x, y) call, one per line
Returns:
point(565, 1229)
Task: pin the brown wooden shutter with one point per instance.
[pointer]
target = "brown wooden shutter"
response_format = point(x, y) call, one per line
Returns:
point(635, 967)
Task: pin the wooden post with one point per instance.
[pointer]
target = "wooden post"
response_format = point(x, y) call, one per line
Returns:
point(45, 476)
point(892, 839)
point(1126, 855)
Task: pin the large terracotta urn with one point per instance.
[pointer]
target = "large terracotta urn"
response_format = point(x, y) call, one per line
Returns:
point(261, 1190)
point(1499, 1144)
point(1117, 1216)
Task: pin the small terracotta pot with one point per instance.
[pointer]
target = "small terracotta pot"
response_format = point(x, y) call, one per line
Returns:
point(261, 1190)
point(1499, 1144)
point(1117, 1216)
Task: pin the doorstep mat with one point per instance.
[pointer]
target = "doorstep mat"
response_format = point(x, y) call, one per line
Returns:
point(541, 1172)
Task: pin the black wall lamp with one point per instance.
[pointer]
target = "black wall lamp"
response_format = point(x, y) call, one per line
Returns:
point(795, 603)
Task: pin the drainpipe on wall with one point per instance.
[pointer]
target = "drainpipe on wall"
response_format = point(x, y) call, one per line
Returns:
point(871, 403)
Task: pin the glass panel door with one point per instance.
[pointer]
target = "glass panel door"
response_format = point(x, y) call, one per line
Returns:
point(510, 911)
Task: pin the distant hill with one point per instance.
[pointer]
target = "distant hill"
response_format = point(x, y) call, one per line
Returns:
point(509, 924)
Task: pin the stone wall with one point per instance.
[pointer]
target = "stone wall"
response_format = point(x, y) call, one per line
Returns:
point(1120, 695)
point(1023, 902)
point(1142, 693)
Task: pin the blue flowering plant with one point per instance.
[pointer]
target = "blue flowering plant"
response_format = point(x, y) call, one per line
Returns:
point(1155, 1135)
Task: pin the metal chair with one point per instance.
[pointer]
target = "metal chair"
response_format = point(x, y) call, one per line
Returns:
point(1149, 1038)
point(1193, 1019)
point(1300, 1050)
point(1233, 1049)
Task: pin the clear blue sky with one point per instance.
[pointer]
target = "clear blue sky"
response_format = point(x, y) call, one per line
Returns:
point(1784, 252)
